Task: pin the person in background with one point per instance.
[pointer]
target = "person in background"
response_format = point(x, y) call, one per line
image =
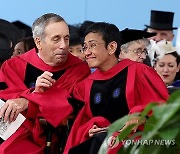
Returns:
point(134, 44)
point(39, 84)
point(161, 23)
point(167, 64)
point(23, 45)
point(9, 35)
point(75, 43)
point(25, 29)
point(114, 90)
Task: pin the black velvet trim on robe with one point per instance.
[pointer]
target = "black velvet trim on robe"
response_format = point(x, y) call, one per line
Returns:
point(107, 97)
point(3, 86)
point(32, 73)
point(90, 146)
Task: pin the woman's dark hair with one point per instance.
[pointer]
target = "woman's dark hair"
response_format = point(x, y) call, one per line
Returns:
point(28, 43)
point(177, 56)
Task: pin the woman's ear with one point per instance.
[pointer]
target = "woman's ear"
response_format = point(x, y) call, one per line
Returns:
point(178, 68)
point(112, 46)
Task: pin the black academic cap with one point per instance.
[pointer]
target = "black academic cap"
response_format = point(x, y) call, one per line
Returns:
point(129, 35)
point(9, 35)
point(10, 30)
point(161, 20)
point(84, 26)
point(24, 28)
point(75, 38)
point(5, 47)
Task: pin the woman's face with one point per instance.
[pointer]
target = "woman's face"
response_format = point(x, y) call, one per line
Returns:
point(167, 68)
point(18, 49)
point(96, 53)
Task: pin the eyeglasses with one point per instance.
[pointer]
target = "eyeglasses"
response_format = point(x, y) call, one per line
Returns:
point(140, 51)
point(91, 46)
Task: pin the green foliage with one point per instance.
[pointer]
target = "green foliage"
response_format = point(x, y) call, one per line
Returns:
point(161, 131)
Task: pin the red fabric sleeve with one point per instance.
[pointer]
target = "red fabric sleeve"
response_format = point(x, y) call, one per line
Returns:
point(146, 87)
point(80, 129)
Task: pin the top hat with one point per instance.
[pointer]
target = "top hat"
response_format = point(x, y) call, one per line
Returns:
point(129, 35)
point(161, 20)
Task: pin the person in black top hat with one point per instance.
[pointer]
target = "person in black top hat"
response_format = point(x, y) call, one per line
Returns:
point(161, 22)
point(134, 44)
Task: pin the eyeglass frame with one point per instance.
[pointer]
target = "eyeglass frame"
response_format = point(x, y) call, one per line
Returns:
point(92, 46)
point(145, 51)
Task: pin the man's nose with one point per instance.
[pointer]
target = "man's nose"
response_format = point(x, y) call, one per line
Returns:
point(157, 38)
point(62, 44)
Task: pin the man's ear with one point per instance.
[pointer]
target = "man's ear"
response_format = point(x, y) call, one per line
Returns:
point(112, 46)
point(37, 41)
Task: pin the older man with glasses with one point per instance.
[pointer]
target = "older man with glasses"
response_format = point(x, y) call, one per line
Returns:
point(134, 44)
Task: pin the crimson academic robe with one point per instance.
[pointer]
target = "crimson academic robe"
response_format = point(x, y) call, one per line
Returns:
point(17, 76)
point(127, 88)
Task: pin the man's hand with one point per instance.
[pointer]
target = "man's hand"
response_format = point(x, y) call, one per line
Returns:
point(44, 82)
point(12, 108)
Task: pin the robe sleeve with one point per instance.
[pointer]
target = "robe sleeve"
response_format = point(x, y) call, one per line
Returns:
point(12, 77)
point(80, 129)
point(146, 87)
point(79, 91)
point(84, 121)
